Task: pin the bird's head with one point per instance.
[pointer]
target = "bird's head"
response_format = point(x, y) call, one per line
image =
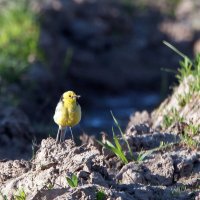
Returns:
point(70, 97)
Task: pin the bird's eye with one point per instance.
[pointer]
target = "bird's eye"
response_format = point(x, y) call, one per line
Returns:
point(70, 96)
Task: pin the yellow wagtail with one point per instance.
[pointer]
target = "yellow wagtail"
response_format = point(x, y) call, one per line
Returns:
point(67, 114)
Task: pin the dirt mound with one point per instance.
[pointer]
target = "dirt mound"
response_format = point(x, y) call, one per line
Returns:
point(16, 132)
point(165, 171)
point(182, 105)
point(165, 163)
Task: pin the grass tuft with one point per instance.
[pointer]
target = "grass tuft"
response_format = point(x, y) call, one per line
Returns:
point(171, 118)
point(115, 148)
point(18, 41)
point(122, 134)
point(21, 195)
point(188, 67)
point(100, 195)
point(73, 181)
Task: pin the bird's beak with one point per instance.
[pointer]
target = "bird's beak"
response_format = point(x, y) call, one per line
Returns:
point(76, 96)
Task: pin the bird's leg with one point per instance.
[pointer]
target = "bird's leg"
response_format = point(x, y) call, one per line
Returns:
point(58, 135)
point(71, 134)
point(63, 134)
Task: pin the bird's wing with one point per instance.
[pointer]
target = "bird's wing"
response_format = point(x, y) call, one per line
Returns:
point(60, 112)
point(59, 107)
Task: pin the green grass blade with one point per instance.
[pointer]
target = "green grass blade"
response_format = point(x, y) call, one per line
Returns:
point(121, 154)
point(21, 195)
point(100, 195)
point(101, 143)
point(168, 70)
point(109, 144)
point(176, 50)
point(75, 180)
point(70, 182)
point(118, 152)
point(122, 157)
point(144, 154)
point(122, 134)
point(116, 122)
point(116, 140)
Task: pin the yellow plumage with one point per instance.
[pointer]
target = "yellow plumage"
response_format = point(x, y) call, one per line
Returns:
point(67, 113)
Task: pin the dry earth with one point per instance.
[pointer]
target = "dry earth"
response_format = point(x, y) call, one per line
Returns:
point(170, 171)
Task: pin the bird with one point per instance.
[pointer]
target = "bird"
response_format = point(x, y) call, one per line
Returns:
point(67, 114)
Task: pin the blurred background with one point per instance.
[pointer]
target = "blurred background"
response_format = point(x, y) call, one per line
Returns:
point(111, 52)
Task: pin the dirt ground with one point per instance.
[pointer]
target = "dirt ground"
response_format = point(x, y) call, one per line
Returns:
point(165, 163)
point(170, 166)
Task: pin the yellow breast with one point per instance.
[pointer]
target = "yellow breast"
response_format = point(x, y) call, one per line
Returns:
point(67, 115)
